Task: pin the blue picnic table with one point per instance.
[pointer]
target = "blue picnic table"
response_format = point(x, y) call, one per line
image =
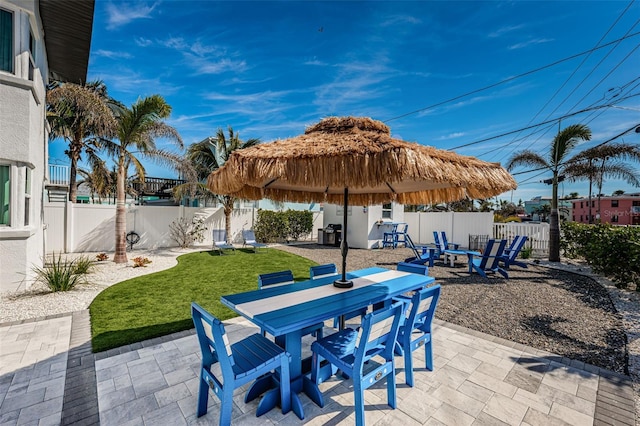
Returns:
point(284, 311)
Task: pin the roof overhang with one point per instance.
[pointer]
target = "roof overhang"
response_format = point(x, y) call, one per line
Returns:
point(68, 25)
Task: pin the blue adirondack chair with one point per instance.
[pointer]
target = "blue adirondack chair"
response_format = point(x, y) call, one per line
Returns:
point(220, 241)
point(254, 357)
point(489, 260)
point(327, 270)
point(389, 238)
point(421, 254)
point(413, 268)
point(510, 254)
point(279, 278)
point(348, 350)
point(249, 239)
point(416, 329)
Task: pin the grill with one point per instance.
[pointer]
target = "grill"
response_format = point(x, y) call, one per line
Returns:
point(331, 235)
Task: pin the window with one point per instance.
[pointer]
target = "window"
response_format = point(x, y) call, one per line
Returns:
point(6, 41)
point(614, 219)
point(5, 190)
point(614, 203)
point(32, 45)
point(581, 204)
point(27, 196)
point(580, 218)
point(386, 211)
point(573, 217)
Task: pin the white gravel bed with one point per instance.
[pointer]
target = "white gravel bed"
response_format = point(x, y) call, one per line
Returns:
point(38, 301)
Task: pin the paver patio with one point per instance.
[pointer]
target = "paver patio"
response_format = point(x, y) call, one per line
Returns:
point(477, 380)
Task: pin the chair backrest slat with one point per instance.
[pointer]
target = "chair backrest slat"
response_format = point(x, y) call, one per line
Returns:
point(273, 279)
point(214, 342)
point(320, 271)
point(516, 246)
point(378, 333)
point(249, 236)
point(492, 251)
point(423, 308)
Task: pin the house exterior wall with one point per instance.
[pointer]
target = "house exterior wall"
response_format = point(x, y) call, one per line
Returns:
point(23, 146)
point(617, 210)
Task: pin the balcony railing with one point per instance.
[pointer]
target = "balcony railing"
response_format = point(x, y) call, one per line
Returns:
point(58, 175)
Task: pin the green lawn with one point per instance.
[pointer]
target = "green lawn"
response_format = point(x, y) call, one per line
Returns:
point(158, 304)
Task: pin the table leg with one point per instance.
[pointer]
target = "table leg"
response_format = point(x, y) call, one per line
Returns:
point(293, 345)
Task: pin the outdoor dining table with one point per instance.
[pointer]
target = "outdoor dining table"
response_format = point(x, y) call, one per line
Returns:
point(283, 311)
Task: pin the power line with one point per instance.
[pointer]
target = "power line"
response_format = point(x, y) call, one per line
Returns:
point(541, 123)
point(511, 78)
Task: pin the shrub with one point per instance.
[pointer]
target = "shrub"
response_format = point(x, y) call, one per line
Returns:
point(270, 226)
point(280, 226)
point(140, 261)
point(187, 231)
point(613, 251)
point(300, 223)
point(525, 252)
point(102, 256)
point(83, 265)
point(60, 274)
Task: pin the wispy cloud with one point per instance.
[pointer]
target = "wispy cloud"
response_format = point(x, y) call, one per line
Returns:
point(126, 80)
point(450, 136)
point(505, 30)
point(214, 66)
point(143, 42)
point(122, 13)
point(529, 43)
point(399, 20)
point(112, 55)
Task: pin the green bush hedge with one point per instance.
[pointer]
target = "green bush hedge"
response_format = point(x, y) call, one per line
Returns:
point(283, 225)
point(613, 251)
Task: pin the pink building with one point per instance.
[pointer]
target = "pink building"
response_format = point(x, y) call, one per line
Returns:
point(615, 209)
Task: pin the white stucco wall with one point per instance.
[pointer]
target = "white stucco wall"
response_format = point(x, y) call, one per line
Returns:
point(23, 145)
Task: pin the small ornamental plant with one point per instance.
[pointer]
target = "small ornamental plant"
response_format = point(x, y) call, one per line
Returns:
point(102, 256)
point(140, 261)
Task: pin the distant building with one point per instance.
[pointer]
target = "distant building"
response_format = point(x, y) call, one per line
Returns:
point(532, 206)
point(615, 209)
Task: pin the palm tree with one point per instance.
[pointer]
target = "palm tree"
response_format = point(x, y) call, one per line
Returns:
point(595, 163)
point(98, 180)
point(209, 155)
point(562, 144)
point(137, 128)
point(78, 114)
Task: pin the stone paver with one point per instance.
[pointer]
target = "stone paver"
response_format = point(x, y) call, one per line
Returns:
point(33, 357)
point(49, 376)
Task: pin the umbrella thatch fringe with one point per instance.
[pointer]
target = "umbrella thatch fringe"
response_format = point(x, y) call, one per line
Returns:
point(356, 153)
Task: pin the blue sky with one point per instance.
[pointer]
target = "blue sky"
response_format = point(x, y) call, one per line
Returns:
point(269, 69)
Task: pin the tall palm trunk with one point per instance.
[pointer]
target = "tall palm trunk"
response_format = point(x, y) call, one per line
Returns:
point(228, 210)
point(121, 215)
point(554, 223)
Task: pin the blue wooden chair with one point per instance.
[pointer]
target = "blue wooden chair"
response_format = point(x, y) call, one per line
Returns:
point(254, 357)
point(489, 260)
point(413, 268)
point(401, 234)
point(510, 254)
point(416, 329)
point(446, 244)
point(275, 279)
point(279, 278)
point(249, 239)
point(348, 350)
point(389, 238)
point(220, 241)
point(330, 269)
point(421, 254)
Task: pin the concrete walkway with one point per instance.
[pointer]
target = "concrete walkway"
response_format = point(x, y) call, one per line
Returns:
point(48, 376)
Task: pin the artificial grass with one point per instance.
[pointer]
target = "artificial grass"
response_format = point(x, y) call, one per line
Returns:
point(160, 303)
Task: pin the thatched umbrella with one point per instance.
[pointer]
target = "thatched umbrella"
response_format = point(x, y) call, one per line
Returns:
point(355, 160)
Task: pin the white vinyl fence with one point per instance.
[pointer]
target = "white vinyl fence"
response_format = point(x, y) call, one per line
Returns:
point(538, 234)
point(77, 228)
